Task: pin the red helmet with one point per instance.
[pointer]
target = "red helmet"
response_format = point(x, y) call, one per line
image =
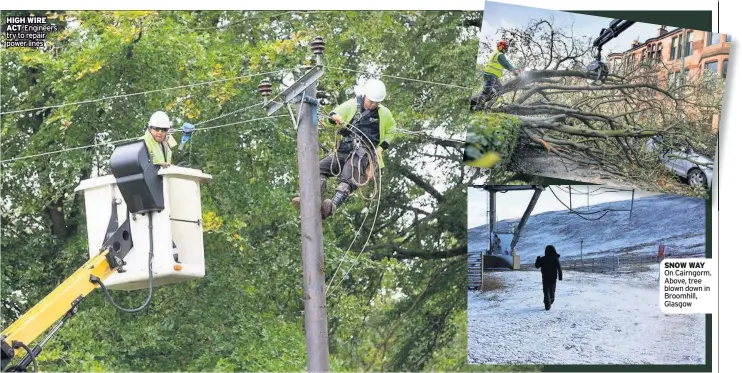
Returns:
point(503, 44)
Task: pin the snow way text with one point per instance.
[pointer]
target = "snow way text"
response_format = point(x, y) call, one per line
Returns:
point(686, 286)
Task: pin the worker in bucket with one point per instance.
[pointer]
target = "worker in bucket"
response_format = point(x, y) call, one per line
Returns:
point(369, 128)
point(158, 139)
point(551, 269)
point(493, 73)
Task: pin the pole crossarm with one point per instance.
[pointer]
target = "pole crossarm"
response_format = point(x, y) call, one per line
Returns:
point(283, 98)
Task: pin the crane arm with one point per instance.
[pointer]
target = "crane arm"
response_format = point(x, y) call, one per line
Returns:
point(66, 296)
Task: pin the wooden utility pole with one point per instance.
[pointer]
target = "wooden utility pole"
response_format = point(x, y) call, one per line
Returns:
point(312, 240)
point(312, 243)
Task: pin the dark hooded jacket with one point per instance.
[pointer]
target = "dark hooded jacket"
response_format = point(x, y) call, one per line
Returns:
point(549, 264)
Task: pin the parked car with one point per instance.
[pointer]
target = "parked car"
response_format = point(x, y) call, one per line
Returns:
point(697, 169)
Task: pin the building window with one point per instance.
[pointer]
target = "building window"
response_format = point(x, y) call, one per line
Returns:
point(644, 54)
point(659, 52)
point(686, 74)
point(712, 38)
point(674, 49)
point(713, 66)
point(724, 69)
point(689, 44)
point(729, 38)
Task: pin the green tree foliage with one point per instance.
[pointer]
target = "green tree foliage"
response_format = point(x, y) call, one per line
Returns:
point(402, 306)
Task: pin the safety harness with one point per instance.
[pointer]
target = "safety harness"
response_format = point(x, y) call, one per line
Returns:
point(357, 119)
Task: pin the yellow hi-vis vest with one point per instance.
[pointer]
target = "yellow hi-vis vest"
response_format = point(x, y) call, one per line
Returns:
point(494, 67)
point(155, 149)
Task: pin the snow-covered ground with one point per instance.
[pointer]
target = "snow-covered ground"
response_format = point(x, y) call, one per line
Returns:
point(595, 319)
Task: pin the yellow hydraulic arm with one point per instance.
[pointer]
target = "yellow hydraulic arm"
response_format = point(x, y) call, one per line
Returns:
point(62, 302)
point(142, 190)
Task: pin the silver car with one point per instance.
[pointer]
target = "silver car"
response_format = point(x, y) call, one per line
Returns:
point(696, 168)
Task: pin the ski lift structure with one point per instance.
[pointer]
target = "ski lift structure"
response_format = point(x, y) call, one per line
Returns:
point(497, 259)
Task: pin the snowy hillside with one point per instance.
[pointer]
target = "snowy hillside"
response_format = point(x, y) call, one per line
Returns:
point(595, 319)
point(677, 221)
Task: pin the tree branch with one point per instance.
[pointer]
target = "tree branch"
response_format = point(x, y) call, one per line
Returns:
point(421, 183)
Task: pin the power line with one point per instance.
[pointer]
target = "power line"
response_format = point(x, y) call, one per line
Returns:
point(130, 139)
point(592, 192)
point(140, 93)
point(605, 211)
point(403, 78)
point(126, 95)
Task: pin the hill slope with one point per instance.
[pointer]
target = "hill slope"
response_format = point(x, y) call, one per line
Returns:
point(679, 222)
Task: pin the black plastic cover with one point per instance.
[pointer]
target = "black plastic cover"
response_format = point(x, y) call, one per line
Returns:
point(137, 178)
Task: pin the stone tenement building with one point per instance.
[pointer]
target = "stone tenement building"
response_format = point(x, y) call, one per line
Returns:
point(683, 51)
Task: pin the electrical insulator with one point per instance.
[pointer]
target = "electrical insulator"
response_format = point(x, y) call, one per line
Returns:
point(265, 89)
point(318, 48)
point(318, 45)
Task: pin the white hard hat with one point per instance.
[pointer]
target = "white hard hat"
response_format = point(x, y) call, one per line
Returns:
point(159, 119)
point(375, 90)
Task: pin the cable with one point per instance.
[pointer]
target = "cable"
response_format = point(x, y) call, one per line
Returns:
point(582, 213)
point(402, 78)
point(222, 116)
point(17, 344)
point(377, 191)
point(130, 139)
point(373, 225)
point(342, 260)
point(33, 358)
point(126, 95)
point(96, 280)
point(425, 134)
point(598, 211)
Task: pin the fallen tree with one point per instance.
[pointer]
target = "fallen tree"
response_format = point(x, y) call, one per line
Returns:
point(563, 110)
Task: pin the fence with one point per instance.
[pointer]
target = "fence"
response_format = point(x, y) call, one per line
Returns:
point(604, 264)
point(475, 271)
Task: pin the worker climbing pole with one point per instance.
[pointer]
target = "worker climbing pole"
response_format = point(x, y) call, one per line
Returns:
point(303, 91)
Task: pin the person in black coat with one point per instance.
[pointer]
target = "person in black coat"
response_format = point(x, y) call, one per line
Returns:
point(551, 269)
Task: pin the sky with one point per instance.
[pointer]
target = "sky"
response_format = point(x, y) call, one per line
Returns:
point(513, 204)
point(497, 15)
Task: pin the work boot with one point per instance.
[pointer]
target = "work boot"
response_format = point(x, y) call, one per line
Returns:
point(296, 201)
point(329, 206)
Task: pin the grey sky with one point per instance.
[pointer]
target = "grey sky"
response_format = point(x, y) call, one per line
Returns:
point(513, 204)
point(498, 15)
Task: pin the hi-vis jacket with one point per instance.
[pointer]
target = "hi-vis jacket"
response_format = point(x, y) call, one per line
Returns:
point(387, 125)
point(497, 64)
point(159, 152)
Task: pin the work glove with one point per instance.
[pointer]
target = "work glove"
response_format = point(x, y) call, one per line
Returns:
point(344, 131)
point(384, 145)
point(337, 119)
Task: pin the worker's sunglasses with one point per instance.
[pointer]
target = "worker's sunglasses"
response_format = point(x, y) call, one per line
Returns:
point(158, 129)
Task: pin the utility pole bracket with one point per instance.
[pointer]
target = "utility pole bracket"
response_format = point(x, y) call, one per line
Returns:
point(313, 102)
